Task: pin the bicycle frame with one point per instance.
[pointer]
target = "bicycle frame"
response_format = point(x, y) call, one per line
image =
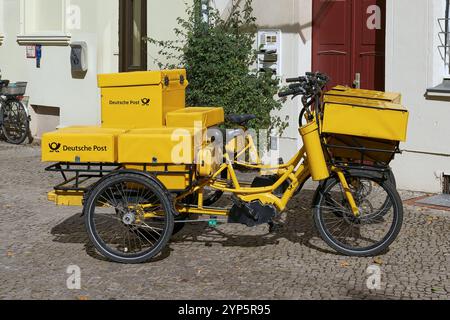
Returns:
point(295, 172)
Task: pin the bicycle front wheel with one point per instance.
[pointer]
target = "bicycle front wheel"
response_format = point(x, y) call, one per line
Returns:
point(373, 231)
point(15, 122)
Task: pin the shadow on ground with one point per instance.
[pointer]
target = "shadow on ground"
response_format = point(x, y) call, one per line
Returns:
point(296, 226)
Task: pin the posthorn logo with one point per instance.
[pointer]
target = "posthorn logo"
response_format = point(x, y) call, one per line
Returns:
point(54, 147)
point(145, 102)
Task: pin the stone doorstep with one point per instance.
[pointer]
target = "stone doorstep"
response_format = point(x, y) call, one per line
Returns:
point(418, 202)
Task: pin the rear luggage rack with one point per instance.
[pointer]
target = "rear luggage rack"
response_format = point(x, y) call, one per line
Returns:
point(87, 174)
point(83, 173)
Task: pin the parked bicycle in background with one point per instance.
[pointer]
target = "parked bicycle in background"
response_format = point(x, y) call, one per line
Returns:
point(14, 117)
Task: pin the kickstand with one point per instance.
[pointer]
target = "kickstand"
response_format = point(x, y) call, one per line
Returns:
point(30, 137)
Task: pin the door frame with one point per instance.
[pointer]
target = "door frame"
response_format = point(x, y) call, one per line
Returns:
point(125, 40)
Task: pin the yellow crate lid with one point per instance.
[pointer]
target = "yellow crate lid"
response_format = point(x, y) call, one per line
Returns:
point(366, 103)
point(208, 116)
point(91, 130)
point(343, 91)
point(141, 78)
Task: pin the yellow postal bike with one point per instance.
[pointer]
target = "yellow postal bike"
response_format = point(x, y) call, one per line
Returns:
point(133, 206)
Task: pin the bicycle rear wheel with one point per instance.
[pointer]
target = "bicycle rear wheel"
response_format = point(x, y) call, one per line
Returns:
point(16, 123)
point(129, 218)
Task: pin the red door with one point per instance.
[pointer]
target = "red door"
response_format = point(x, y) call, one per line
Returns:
point(349, 41)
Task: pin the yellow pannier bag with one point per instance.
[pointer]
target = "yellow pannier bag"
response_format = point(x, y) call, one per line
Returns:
point(365, 118)
point(136, 100)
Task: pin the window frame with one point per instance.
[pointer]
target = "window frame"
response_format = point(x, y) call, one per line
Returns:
point(56, 37)
point(447, 33)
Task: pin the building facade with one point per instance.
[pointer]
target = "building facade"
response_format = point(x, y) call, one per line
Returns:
point(395, 45)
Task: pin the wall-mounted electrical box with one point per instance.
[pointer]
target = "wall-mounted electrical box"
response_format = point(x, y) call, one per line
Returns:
point(79, 57)
point(269, 51)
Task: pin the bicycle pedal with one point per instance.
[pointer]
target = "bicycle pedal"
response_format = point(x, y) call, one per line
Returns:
point(212, 223)
point(275, 227)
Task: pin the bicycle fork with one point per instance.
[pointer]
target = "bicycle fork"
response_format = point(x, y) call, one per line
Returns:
point(348, 192)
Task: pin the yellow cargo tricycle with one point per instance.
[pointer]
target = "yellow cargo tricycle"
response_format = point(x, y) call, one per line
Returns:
point(153, 163)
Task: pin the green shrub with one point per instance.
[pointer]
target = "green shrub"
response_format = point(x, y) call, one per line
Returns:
point(219, 56)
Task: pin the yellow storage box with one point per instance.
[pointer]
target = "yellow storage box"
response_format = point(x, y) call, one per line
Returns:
point(157, 146)
point(341, 91)
point(136, 100)
point(81, 144)
point(186, 118)
point(365, 118)
point(173, 177)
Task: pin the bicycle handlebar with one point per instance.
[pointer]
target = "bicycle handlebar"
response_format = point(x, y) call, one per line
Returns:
point(310, 85)
point(311, 88)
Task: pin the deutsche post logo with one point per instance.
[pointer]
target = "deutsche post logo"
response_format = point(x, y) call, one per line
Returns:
point(54, 147)
point(145, 102)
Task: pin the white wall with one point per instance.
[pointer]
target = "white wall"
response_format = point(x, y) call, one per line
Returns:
point(2, 22)
point(162, 19)
point(53, 85)
point(412, 66)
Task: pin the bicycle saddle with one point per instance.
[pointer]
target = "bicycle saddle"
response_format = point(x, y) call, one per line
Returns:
point(240, 120)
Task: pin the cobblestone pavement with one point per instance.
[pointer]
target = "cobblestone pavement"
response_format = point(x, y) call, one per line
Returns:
point(38, 241)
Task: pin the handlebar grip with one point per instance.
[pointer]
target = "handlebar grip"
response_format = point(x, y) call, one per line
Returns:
point(286, 93)
point(299, 79)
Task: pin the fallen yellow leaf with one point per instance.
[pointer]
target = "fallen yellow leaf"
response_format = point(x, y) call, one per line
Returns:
point(378, 261)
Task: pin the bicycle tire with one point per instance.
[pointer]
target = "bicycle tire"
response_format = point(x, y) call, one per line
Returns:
point(8, 127)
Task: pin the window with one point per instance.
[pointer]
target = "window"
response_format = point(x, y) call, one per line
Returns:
point(443, 89)
point(133, 31)
point(447, 34)
point(43, 22)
